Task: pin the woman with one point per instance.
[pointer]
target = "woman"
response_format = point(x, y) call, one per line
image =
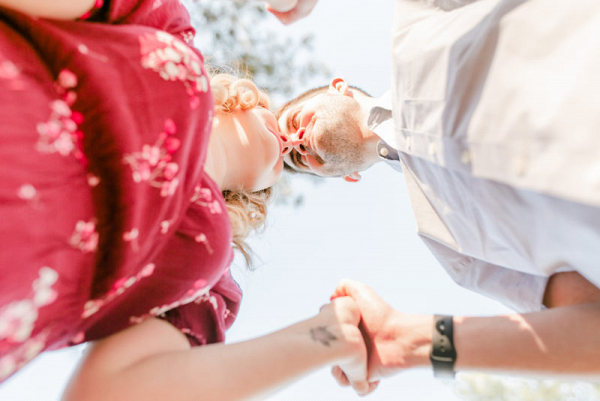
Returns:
point(113, 208)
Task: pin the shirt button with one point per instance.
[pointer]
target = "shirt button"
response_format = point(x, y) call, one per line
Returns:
point(384, 152)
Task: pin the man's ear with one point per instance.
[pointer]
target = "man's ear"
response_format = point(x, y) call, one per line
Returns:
point(353, 177)
point(338, 85)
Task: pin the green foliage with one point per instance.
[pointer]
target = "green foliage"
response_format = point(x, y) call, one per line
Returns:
point(242, 37)
point(483, 387)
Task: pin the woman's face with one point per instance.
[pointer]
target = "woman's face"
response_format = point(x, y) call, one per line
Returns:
point(258, 145)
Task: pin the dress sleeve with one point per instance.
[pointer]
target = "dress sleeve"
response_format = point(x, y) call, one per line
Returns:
point(519, 291)
point(167, 15)
point(205, 320)
point(199, 253)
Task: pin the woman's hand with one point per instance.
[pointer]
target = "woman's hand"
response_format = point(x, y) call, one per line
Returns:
point(341, 319)
point(290, 10)
point(395, 341)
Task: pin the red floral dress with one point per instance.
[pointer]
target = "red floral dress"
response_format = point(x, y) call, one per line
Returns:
point(107, 216)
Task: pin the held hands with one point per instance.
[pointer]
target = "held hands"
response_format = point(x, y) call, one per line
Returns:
point(394, 341)
point(340, 329)
point(289, 11)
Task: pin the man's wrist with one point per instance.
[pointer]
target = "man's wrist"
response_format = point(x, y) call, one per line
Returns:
point(412, 344)
point(443, 352)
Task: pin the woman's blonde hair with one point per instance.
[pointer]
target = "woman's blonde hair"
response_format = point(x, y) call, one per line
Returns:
point(247, 210)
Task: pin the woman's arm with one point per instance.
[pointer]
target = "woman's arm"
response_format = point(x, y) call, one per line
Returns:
point(153, 361)
point(57, 9)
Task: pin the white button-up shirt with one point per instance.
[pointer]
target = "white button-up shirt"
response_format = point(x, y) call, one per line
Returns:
point(496, 120)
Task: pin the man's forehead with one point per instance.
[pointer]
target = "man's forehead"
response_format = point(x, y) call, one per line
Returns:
point(293, 106)
point(301, 99)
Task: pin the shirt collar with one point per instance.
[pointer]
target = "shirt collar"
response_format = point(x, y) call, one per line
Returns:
point(380, 121)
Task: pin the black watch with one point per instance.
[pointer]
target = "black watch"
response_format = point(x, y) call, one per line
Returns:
point(443, 354)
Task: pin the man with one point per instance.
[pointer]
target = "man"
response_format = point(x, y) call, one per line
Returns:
point(492, 118)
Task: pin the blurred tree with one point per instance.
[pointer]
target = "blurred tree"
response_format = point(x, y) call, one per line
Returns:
point(483, 387)
point(241, 36)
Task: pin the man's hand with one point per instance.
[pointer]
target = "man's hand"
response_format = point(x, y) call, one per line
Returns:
point(394, 341)
point(300, 10)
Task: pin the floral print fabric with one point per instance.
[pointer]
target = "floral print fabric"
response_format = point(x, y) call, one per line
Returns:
point(106, 209)
point(174, 61)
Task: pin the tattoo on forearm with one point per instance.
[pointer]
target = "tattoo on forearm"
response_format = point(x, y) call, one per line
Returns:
point(321, 335)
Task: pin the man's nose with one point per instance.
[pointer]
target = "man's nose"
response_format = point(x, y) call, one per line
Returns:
point(294, 141)
point(287, 143)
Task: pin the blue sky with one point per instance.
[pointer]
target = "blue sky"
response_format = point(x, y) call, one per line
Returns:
point(363, 231)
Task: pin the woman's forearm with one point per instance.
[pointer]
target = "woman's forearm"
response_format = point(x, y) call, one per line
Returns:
point(56, 9)
point(240, 371)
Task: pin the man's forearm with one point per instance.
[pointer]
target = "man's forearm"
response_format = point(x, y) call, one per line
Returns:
point(563, 341)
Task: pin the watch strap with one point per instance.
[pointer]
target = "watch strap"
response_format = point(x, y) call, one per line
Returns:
point(443, 353)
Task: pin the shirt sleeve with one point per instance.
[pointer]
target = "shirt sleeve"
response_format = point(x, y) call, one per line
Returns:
point(522, 292)
point(205, 320)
